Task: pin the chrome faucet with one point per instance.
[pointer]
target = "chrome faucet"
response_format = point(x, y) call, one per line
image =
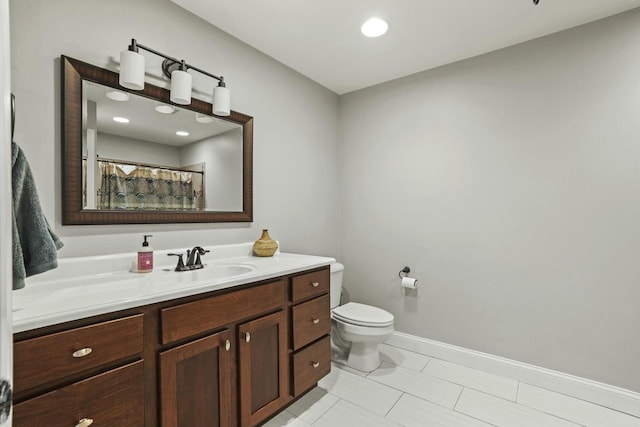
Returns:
point(193, 259)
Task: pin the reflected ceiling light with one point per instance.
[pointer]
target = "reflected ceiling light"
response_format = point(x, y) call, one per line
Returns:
point(203, 118)
point(182, 133)
point(121, 119)
point(374, 27)
point(165, 109)
point(132, 77)
point(117, 95)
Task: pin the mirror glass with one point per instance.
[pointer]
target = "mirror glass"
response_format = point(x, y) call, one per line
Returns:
point(135, 157)
point(141, 154)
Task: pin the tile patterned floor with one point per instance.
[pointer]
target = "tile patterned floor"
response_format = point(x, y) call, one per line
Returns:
point(410, 389)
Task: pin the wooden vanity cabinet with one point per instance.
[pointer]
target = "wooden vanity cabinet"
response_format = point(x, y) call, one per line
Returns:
point(263, 367)
point(195, 383)
point(227, 358)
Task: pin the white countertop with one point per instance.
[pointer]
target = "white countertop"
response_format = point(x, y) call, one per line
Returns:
point(88, 286)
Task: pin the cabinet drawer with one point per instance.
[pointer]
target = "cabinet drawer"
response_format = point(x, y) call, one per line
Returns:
point(185, 320)
point(310, 321)
point(311, 364)
point(52, 357)
point(115, 398)
point(309, 285)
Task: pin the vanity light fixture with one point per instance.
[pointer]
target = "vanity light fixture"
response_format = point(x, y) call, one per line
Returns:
point(132, 77)
point(117, 95)
point(374, 27)
point(121, 119)
point(182, 133)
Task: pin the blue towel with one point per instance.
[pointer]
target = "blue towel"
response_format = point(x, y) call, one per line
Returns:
point(35, 245)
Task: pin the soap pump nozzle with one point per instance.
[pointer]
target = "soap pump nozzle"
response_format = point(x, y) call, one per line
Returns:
point(145, 243)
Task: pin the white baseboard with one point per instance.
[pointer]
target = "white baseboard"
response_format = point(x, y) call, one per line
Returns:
point(602, 394)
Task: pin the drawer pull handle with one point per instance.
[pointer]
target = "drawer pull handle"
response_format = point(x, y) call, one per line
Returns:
point(247, 336)
point(82, 353)
point(315, 284)
point(227, 345)
point(85, 422)
point(315, 364)
point(315, 321)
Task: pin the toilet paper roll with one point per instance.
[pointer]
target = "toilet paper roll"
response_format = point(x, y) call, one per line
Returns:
point(409, 283)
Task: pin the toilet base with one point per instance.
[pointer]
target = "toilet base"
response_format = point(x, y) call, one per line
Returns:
point(364, 357)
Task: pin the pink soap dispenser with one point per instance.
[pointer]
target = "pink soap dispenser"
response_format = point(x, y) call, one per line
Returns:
point(145, 257)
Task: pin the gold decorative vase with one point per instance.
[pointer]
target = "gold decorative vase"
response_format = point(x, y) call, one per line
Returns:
point(265, 245)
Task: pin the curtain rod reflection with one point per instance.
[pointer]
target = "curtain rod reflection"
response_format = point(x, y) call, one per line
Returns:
point(149, 165)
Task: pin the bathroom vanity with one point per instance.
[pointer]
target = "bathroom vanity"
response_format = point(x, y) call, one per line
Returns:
point(230, 346)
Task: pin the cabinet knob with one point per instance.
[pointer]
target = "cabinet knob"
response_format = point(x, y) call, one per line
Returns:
point(315, 364)
point(315, 321)
point(227, 345)
point(85, 422)
point(82, 353)
point(315, 284)
point(247, 336)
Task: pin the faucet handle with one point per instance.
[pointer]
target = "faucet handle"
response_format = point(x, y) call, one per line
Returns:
point(180, 266)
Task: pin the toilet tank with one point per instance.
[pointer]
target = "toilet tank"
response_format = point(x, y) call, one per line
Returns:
point(336, 283)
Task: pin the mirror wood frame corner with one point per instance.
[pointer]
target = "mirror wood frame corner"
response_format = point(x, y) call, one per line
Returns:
point(73, 73)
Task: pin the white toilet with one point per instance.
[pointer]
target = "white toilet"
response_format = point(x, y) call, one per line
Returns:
point(357, 329)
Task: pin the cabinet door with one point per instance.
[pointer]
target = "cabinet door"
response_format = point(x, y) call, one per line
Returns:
point(195, 381)
point(264, 368)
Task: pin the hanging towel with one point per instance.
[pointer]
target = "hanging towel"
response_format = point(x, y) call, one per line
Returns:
point(34, 243)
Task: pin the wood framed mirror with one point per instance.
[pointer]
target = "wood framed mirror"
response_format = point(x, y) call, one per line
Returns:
point(149, 170)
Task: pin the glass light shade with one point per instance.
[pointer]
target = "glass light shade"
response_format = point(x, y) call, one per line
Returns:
point(131, 70)
point(221, 101)
point(181, 87)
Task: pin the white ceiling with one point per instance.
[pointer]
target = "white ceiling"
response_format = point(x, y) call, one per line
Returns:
point(321, 38)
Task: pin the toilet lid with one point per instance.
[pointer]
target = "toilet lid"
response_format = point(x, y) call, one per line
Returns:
point(363, 315)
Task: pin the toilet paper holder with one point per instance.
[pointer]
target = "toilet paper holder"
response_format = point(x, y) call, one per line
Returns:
point(405, 270)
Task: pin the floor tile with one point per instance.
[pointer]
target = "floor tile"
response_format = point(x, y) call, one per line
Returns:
point(418, 384)
point(492, 384)
point(346, 414)
point(570, 408)
point(373, 396)
point(503, 413)
point(313, 405)
point(342, 364)
point(405, 358)
point(286, 419)
point(411, 411)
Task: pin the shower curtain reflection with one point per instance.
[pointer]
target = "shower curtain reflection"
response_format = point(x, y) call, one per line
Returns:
point(139, 187)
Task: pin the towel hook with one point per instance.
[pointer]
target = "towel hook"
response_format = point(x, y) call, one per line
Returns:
point(405, 270)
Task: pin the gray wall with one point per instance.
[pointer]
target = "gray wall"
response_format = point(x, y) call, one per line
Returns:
point(510, 184)
point(222, 156)
point(295, 126)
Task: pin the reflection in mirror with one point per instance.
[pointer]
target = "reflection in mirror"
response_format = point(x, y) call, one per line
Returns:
point(140, 154)
point(134, 157)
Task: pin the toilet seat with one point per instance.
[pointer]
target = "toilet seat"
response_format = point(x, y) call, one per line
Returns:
point(362, 315)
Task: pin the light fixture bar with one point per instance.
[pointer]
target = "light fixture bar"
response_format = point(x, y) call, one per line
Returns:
point(134, 48)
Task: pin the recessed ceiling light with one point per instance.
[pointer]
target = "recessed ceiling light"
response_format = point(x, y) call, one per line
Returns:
point(182, 133)
point(117, 95)
point(203, 118)
point(121, 119)
point(374, 27)
point(165, 109)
